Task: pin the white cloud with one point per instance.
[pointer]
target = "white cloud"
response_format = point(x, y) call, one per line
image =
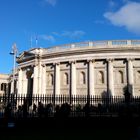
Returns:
point(127, 16)
point(47, 38)
point(112, 4)
point(56, 33)
point(73, 34)
point(68, 34)
point(125, 1)
point(51, 2)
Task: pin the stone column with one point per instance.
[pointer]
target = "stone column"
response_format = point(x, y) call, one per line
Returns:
point(24, 82)
point(57, 79)
point(12, 87)
point(91, 78)
point(40, 74)
point(73, 78)
point(110, 77)
point(7, 88)
point(43, 79)
point(130, 76)
point(20, 80)
point(35, 80)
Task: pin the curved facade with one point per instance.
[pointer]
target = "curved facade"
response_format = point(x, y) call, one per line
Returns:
point(94, 68)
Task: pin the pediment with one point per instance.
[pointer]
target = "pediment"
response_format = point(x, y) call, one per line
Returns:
point(25, 55)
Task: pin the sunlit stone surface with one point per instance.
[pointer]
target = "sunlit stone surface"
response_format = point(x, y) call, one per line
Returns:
point(95, 68)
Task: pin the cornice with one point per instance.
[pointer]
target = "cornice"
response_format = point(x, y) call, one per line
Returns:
point(90, 51)
point(83, 54)
point(86, 57)
point(25, 59)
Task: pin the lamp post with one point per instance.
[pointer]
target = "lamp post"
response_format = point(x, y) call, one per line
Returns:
point(14, 53)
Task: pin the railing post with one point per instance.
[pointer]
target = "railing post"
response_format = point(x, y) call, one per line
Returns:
point(91, 44)
point(129, 42)
point(72, 45)
point(109, 43)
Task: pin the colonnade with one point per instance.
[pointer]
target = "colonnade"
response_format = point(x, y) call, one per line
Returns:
point(39, 78)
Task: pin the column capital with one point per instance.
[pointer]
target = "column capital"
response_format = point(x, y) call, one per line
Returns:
point(91, 60)
point(43, 65)
point(109, 60)
point(72, 62)
point(34, 65)
point(57, 63)
point(130, 59)
point(19, 69)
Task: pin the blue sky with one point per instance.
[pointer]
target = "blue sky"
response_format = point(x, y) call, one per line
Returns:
point(56, 22)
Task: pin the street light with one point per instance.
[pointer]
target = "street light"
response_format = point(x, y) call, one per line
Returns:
point(14, 53)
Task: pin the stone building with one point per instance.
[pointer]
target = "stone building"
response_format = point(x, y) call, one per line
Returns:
point(4, 84)
point(94, 68)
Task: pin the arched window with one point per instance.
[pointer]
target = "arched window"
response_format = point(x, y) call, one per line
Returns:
point(50, 80)
point(120, 77)
point(82, 78)
point(101, 77)
point(66, 82)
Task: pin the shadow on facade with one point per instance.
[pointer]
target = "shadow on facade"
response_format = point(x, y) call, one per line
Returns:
point(29, 87)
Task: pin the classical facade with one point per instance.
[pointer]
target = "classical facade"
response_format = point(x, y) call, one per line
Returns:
point(94, 68)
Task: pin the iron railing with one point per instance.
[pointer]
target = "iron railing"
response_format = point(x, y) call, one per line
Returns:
point(63, 105)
